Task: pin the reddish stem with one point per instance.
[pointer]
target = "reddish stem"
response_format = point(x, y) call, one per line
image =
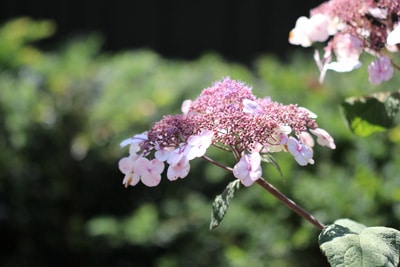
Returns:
point(276, 193)
point(290, 203)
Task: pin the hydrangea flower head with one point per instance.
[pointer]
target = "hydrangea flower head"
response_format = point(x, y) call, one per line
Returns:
point(355, 27)
point(227, 116)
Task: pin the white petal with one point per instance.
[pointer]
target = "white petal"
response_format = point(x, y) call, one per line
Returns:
point(393, 37)
point(343, 66)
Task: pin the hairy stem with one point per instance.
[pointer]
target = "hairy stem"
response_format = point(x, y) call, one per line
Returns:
point(217, 163)
point(290, 203)
point(276, 193)
point(395, 65)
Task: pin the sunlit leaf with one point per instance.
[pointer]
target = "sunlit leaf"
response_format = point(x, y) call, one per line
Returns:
point(221, 203)
point(348, 243)
point(373, 113)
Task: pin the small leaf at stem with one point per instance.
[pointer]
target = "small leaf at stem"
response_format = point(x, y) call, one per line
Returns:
point(348, 243)
point(268, 158)
point(221, 203)
point(372, 113)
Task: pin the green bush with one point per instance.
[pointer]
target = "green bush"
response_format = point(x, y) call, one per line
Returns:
point(64, 112)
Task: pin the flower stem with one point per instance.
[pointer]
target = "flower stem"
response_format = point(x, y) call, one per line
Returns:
point(395, 65)
point(217, 163)
point(290, 203)
point(276, 193)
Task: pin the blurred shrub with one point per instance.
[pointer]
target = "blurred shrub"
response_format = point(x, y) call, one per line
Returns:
point(64, 112)
point(15, 36)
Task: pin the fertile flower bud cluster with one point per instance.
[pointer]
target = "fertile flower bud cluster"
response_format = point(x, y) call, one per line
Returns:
point(352, 27)
point(228, 116)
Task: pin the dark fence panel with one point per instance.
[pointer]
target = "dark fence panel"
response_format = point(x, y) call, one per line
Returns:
point(238, 30)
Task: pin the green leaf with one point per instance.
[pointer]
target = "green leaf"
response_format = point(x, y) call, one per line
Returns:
point(373, 113)
point(348, 243)
point(221, 203)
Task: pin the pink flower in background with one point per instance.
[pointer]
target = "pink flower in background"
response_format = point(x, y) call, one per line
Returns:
point(393, 37)
point(347, 50)
point(347, 47)
point(248, 169)
point(358, 27)
point(380, 70)
point(314, 29)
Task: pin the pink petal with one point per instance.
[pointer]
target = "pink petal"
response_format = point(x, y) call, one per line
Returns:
point(380, 70)
point(125, 165)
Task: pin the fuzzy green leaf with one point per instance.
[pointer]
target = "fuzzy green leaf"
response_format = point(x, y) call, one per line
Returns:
point(349, 244)
point(221, 203)
point(373, 113)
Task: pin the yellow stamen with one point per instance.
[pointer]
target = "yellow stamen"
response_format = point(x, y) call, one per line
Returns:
point(128, 181)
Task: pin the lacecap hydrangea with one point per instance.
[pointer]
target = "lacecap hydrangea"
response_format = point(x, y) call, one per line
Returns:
point(228, 116)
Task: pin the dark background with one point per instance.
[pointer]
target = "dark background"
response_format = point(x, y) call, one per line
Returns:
point(238, 30)
point(65, 107)
point(48, 198)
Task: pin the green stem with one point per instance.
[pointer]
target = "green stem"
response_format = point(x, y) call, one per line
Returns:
point(290, 203)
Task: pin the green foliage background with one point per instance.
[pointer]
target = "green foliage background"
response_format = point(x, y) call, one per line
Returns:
point(62, 203)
